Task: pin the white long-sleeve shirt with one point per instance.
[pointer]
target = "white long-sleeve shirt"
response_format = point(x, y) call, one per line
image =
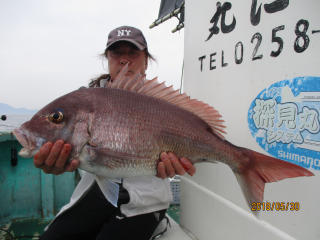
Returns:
point(147, 194)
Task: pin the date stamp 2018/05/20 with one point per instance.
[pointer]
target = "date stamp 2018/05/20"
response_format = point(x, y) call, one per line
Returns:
point(275, 206)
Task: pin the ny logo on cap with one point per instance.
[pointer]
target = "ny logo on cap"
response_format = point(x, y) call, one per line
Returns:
point(121, 32)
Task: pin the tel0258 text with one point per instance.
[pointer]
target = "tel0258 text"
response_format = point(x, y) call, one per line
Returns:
point(300, 44)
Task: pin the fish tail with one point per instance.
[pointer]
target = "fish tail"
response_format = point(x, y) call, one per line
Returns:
point(259, 169)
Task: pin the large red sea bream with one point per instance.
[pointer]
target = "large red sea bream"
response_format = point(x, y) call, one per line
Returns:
point(119, 131)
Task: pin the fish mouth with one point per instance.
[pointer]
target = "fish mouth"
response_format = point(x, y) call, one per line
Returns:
point(29, 142)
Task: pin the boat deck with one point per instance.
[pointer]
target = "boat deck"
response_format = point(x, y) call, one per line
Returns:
point(35, 227)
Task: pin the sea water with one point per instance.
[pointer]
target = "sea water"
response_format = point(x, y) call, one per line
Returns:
point(13, 121)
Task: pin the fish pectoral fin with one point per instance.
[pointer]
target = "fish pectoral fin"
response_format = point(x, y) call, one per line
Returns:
point(109, 188)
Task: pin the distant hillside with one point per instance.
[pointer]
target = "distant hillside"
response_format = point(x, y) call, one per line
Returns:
point(6, 109)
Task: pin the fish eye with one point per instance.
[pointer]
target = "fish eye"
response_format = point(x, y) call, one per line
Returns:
point(56, 116)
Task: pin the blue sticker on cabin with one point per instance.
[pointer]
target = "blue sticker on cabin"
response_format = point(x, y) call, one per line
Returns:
point(284, 121)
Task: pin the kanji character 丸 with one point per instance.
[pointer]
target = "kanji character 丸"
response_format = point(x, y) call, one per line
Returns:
point(224, 28)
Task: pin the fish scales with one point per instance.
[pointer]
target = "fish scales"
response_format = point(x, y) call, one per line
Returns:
point(139, 128)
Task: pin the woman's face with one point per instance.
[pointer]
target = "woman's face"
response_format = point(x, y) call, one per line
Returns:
point(125, 52)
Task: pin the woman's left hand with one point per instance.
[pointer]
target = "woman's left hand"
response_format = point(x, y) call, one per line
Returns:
point(170, 166)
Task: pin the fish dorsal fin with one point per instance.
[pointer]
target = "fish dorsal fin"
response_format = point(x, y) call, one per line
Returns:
point(138, 83)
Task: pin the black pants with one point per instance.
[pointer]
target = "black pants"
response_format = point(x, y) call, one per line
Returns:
point(93, 217)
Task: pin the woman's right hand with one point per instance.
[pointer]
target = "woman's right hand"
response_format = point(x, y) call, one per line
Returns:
point(52, 158)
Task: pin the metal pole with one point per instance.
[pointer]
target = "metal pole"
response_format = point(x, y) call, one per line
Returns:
point(165, 18)
point(180, 26)
point(181, 76)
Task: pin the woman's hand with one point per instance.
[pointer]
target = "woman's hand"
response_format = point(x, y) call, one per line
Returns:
point(52, 158)
point(170, 166)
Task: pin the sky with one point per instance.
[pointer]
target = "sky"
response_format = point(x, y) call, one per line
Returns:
point(50, 48)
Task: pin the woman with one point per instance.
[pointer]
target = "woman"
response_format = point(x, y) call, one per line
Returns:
point(142, 201)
